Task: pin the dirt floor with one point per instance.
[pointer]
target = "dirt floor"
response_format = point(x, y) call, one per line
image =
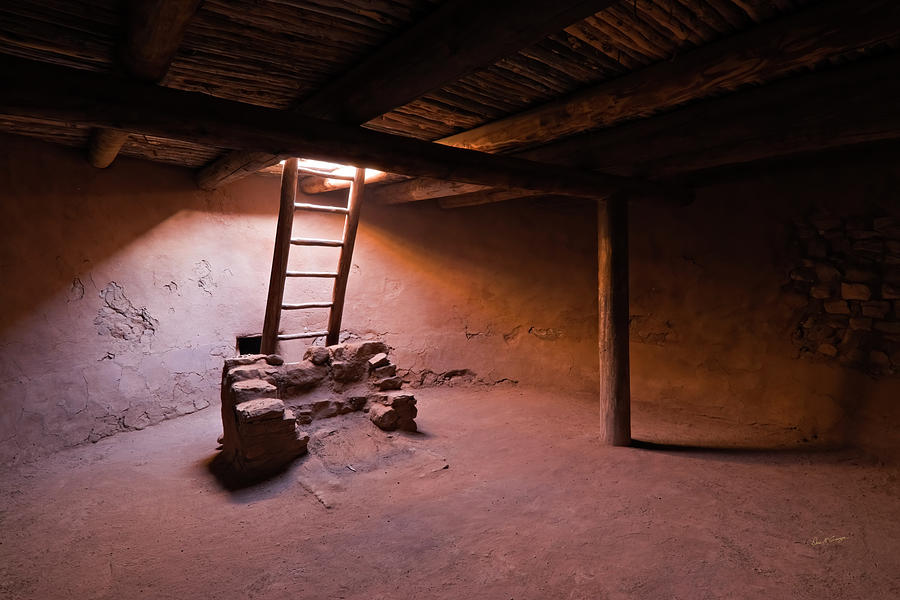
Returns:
point(505, 494)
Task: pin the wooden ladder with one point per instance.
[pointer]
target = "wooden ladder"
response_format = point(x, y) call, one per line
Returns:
point(283, 242)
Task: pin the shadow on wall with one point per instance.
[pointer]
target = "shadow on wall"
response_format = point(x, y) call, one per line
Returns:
point(713, 362)
point(62, 217)
point(127, 287)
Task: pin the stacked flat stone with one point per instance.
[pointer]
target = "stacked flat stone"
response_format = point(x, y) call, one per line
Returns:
point(849, 269)
point(390, 409)
point(260, 434)
point(266, 401)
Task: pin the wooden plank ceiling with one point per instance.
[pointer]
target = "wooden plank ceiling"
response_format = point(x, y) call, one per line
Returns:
point(276, 53)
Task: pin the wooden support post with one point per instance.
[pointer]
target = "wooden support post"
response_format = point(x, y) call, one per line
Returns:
point(354, 204)
point(289, 176)
point(615, 387)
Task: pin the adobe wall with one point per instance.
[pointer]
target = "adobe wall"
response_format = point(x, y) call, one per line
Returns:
point(125, 289)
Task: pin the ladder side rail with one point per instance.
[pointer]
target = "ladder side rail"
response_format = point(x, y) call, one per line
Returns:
point(289, 180)
point(351, 223)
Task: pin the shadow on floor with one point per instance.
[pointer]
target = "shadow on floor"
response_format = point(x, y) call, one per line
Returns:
point(247, 488)
point(748, 454)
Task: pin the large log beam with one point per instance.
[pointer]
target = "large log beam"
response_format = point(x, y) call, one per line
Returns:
point(95, 99)
point(155, 30)
point(853, 104)
point(839, 107)
point(459, 37)
point(761, 54)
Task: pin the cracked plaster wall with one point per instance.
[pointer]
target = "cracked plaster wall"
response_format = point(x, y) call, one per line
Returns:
point(126, 287)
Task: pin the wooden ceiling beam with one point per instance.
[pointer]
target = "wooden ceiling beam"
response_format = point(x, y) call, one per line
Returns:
point(155, 30)
point(841, 107)
point(764, 53)
point(42, 91)
point(459, 37)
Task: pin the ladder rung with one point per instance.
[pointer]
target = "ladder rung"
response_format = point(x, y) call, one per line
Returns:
point(321, 208)
point(310, 274)
point(315, 242)
point(303, 305)
point(300, 336)
point(325, 174)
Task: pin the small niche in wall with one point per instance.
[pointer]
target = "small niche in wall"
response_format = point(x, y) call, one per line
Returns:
point(249, 344)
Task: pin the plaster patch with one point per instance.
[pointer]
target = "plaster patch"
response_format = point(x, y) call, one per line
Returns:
point(119, 318)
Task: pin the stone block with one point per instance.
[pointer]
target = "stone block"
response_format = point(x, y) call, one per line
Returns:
point(244, 359)
point(855, 291)
point(827, 350)
point(836, 321)
point(868, 246)
point(383, 416)
point(892, 275)
point(895, 359)
point(385, 371)
point(317, 355)
point(379, 360)
point(389, 383)
point(348, 371)
point(890, 291)
point(402, 403)
point(879, 358)
point(821, 291)
point(259, 370)
point(837, 307)
point(861, 323)
point(301, 376)
point(260, 409)
point(251, 389)
point(876, 308)
point(826, 273)
point(803, 274)
point(892, 327)
point(275, 360)
point(357, 351)
point(857, 275)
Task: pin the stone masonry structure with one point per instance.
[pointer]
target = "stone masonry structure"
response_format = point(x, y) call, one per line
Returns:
point(267, 403)
point(849, 268)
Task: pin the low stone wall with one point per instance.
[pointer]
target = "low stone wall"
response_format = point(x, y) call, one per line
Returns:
point(266, 403)
point(849, 269)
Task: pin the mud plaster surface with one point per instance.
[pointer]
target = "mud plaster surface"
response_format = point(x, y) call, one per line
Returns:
point(529, 507)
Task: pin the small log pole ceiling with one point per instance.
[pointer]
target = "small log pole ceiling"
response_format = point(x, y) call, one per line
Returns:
point(155, 30)
point(761, 54)
point(289, 178)
point(459, 37)
point(354, 205)
point(615, 385)
point(101, 100)
point(823, 110)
